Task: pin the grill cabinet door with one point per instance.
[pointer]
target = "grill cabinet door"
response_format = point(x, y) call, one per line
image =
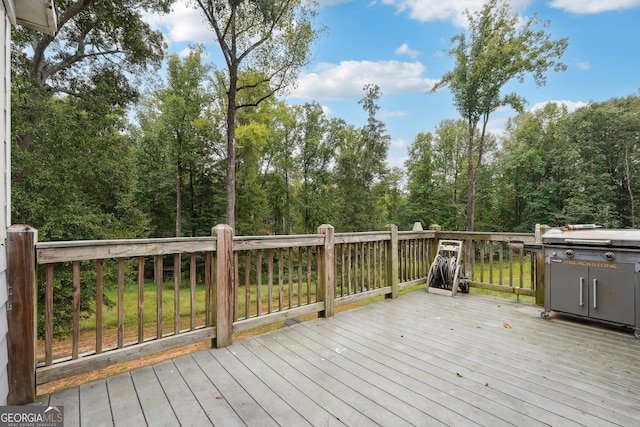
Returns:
point(569, 291)
point(611, 294)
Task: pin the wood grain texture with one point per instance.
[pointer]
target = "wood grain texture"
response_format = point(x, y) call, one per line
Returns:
point(420, 359)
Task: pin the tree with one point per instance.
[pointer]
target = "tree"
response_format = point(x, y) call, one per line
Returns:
point(73, 164)
point(316, 147)
point(535, 164)
point(81, 184)
point(449, 194)
point(268, 39)
point(98, 48)
point(499, 47)
point(605, 137)
point(420, 180)
point(360, 167)
point(181, 105)
point(628, 125)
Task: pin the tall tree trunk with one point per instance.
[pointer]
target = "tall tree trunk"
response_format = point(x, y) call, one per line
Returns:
point(179, 197)
point(231, 145)
point(192, 207)
point(471, 187)
point(627, 175)
point(471, 199)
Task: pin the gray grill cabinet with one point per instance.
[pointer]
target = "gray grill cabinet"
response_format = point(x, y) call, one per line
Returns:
point(593, 273)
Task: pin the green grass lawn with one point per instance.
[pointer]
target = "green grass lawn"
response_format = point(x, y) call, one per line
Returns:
point(110, 314)
point(484, 272)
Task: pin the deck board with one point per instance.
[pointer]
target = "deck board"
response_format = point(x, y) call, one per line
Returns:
point(94, 395)
point(70, 399)
point(153, 400)
point(246, 408)
point(414, 372)
point(204, 391)
point(251, 380)
point(298, 372)
point(186, 407)
point(125, 404)
point(421, 359)
point(514, 376)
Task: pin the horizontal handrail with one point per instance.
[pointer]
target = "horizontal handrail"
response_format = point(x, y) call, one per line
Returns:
point(272, 278)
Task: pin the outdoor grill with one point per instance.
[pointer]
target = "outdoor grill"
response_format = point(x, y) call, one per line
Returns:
point(593, 273)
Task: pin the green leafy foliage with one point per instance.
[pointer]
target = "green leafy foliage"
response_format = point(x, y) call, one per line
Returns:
point(266, 42)
point(497, 48)
point(179, 150)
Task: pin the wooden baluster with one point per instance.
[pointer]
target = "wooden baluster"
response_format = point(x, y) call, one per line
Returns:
point(193, 279)
point(99, 302)
point(120, 302)
point(290, 277)
point(270, 281)
point(259, 282)
point(75, 340)
point(140, 300)
point(158, 273)
point(280, 278)
point(207, 287)
point(48, 317)
point(247, 284)
point(300, 294)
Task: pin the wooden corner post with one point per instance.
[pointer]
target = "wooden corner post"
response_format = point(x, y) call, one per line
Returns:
point(391, 267)
point(326, 288)
point(433, 247)
point(21, 313)
point(223, 287)
point(540, 266)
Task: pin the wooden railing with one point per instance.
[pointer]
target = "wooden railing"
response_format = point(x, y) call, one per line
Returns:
point(223, 284)
point(504, 262)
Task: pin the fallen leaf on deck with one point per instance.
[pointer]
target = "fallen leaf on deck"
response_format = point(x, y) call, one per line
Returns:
point(506, 325)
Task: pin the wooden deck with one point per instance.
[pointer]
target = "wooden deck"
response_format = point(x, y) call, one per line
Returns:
point(421, 359)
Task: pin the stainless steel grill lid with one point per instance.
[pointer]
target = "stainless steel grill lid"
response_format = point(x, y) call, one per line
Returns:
point(594, 237)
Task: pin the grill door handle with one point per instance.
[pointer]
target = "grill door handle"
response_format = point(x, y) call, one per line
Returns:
point(595, 301)
point(581, 294)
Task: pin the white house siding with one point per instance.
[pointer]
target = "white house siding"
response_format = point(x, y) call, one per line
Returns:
point(5, 146)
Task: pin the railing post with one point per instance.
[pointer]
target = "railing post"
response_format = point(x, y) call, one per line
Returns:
point(433, 249)
point(223, 287)
point(540, 266)
point(327, 271)
point(392, 265)
point(21, 313)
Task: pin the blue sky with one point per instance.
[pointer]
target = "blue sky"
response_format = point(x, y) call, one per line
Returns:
point(400, 46)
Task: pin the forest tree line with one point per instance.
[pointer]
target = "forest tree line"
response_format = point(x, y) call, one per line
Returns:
point(101, 176)
point(94, 157)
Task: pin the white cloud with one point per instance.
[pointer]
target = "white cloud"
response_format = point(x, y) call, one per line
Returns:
point(593, 6)
point(183, 24)
point(405, 50)
point(571, 105)
point(438, 10)
point(584, 65)
point(324, 3)
point(401, 113)
point(398, 143)
point(496, 125)
point(326, 110)
point(346, 80)
point(396, 161)
point(187, 51)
